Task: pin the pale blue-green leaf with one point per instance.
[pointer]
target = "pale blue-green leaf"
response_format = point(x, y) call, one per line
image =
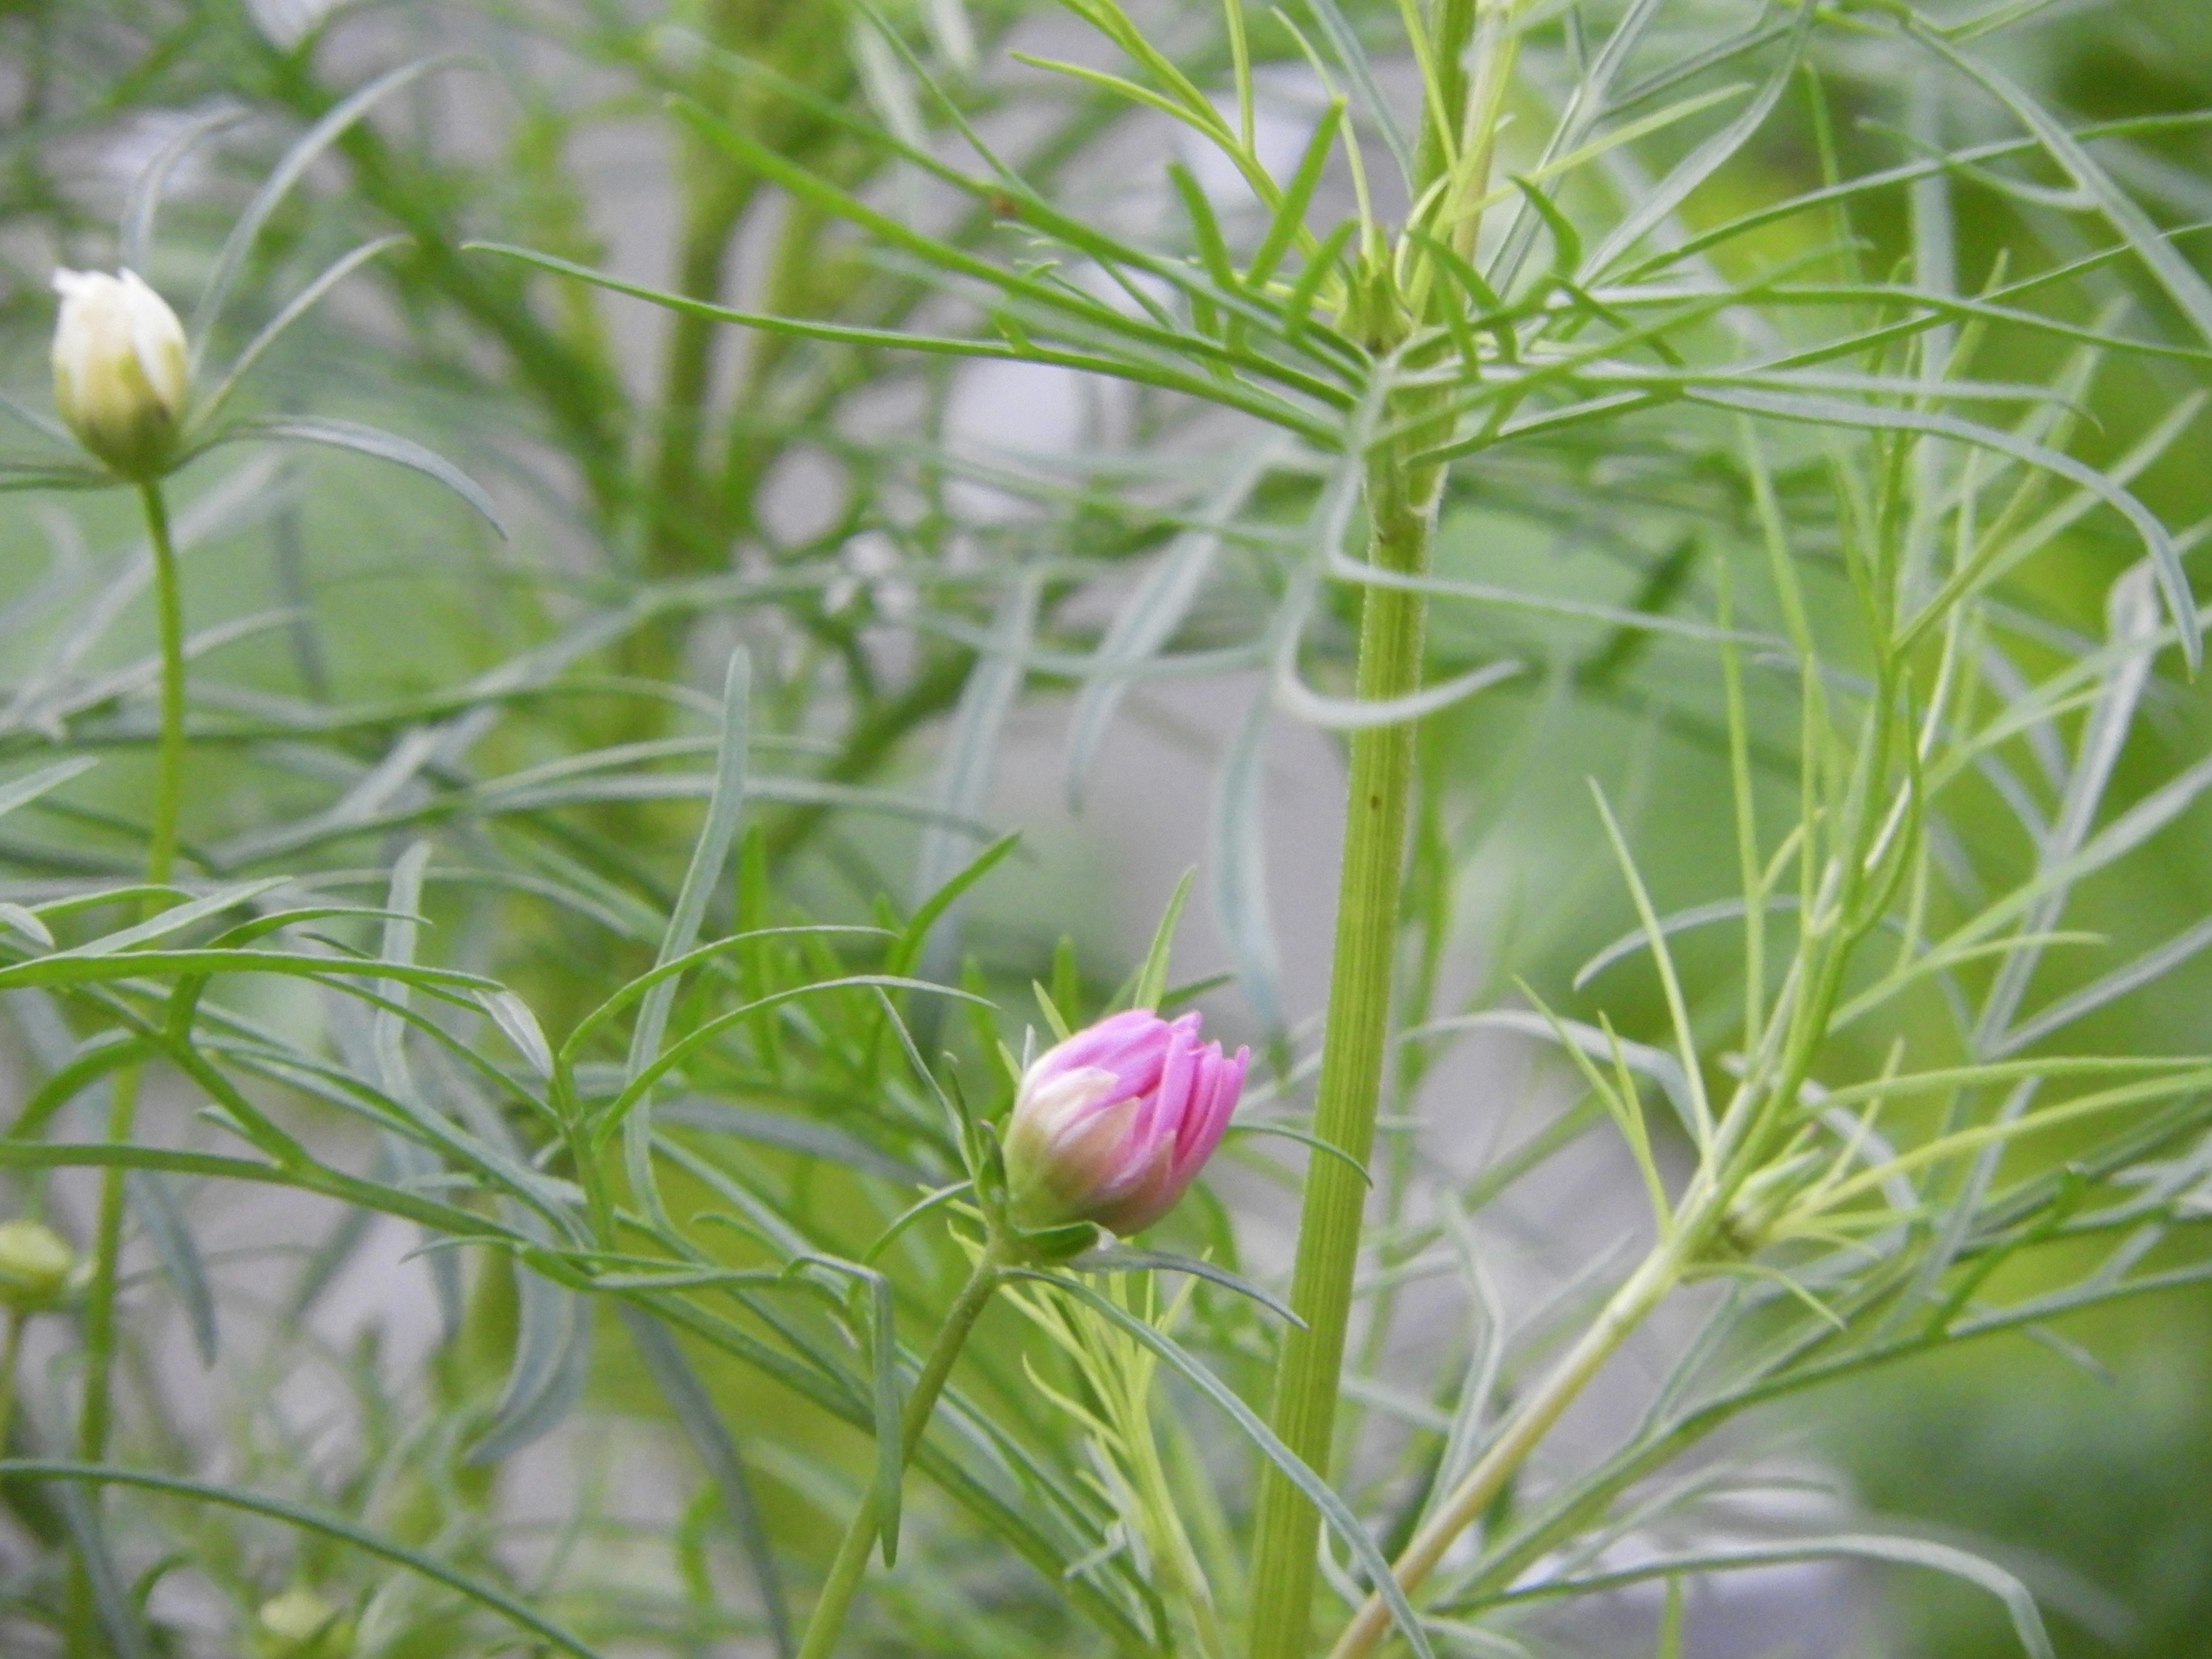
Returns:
point(329, 1258)
point(286, 172)
point(44, 425)
point(1144, 626)
point(1679, 921)
point(299, 305)
point(21, 792)
point(1152, 976)
point(17, 919)
point(174, 919)
point(717, 1450)
point(796, 1134)
point(2131, 623)
point(2181, 281)
point(2145, 969)
point(1123, 1259)
point(162, 1218)
point(884, 81)
point(384, 445)
point(887, 1395)
point(1669, 193)
point(135, 243)
point(1661, 1067)
point(1240, 869)
point(552, 1358)
point(709, 855)
point(1294, 697)
point(403, 901)
point(2165, 559)
point(412, 1161)
point(310, 1520)
point(1343, 45)
point(2020, 1606)
point(513, 1016)
point(2119, 838)
point(951, 31)
point(417, 1166)
point(1323, 1495)
point(971, 750)
point(112, 1604)
point(1586, 106)
point(1239, 884)
point(1312, 1143)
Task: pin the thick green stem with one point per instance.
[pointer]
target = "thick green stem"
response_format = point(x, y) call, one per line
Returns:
point(1402, 507)
point(852, 1561)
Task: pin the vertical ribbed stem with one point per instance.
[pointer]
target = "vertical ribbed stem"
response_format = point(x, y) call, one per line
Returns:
point(1401, 507)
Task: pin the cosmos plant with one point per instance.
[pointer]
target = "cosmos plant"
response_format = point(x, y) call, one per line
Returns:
point(1709, 473)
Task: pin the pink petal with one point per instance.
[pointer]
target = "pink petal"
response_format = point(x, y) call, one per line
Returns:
point(1129, 1045)
point(1161, 1114)
point(1203, 1129)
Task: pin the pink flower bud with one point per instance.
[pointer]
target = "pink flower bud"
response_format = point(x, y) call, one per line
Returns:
point(1112, 1125)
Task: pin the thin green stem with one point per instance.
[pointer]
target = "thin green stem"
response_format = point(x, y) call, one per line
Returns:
point(11, 1351)
point(852, 1559)
point(1402, 509)
point(169, 776)
point(1641, 1291)
point(96, 1415)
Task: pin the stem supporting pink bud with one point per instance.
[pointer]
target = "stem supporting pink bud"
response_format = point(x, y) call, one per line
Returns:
point(1114, 1124)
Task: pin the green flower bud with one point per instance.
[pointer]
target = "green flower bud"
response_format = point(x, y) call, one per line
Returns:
point(35, 1264)
point(120, 370)
point(300, 1625)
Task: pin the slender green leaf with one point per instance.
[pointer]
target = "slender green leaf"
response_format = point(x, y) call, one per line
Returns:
point(314, 1520)
point(710, 1438)
point(1323, 1495)
point(383, 445)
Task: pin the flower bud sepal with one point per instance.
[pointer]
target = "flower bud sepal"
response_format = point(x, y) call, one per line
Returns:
point(38, 1271)
point(1049, 1245)
point(1009, 1242)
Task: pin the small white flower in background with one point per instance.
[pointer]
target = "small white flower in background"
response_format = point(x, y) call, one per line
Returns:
point(35, 1266)
point(301, 1625)
point(288, 22)
point(121, 370)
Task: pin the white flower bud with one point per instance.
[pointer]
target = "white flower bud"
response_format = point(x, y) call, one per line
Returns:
point(35, 1264)
point(121, 370)
point(301, 1625)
